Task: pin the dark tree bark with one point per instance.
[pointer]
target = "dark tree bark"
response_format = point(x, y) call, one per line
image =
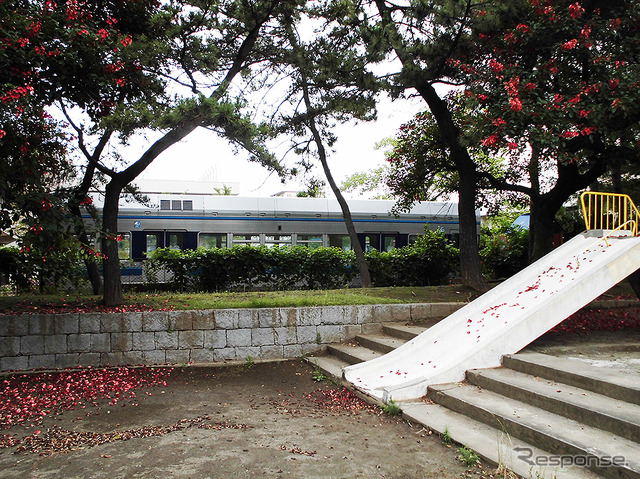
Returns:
point(470, 268)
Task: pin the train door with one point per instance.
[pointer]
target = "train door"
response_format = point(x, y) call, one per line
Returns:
point(144, 243)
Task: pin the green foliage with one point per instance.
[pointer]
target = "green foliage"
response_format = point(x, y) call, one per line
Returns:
point(446, 436)
point(468, 456)
point(430, 261)
point(392, 408)
point(249, 363)
point(504, 249)
point(317, 375)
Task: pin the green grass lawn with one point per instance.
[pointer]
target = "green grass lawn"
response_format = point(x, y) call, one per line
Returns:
point(33, 303)
point(264, 299)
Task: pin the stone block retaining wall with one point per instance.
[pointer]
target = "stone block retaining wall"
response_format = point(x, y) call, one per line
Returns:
point(180, 337)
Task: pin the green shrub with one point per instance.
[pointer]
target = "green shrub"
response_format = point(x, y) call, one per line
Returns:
point(431, 260)
point(503, 248)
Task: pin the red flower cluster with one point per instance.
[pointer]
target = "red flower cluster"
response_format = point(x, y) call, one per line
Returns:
point(589, 320)
point(29, 397)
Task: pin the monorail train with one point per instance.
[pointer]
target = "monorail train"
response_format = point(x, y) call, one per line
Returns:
point(190, 221)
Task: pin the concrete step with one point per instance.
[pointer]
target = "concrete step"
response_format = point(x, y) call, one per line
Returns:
point(403, 331)
point(352, 354)
point(493, 445)
point(605, 453)
point(379, 342)
point(590, 408)
point(331, 366)
point(573, 372)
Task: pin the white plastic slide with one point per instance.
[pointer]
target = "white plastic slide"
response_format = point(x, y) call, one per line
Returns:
point(503, 320)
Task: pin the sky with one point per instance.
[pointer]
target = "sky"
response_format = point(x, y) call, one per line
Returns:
point(203, 155)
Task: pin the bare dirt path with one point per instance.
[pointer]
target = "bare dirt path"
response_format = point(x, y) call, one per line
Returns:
point(271, 420)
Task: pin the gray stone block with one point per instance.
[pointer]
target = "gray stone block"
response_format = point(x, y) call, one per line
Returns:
point(154, 357)
point(286, 335)
point(248, 319)
point(15, 325)
point(112, 359)
point(100, 342)
point(9, 346)
point(239, 337)
point(79, 343)
point(268, 317)
point(31, 345)
point(262, 337)
point(180, 320)
point(69, 360)
point(201, 356)
point(89, 359)
point(133, 358)
point(307, 334)
point(333, 315)
point(121, 322)
point(271, 352)
point(352, 330)
point(292, 351)
point(121, 342)
point(67, 323)
point(190, 339)
point(56, 344)
point(14, 363)
point(243, 353)
point(226, 318)
point(309, 316)
point(331, 333)
point(224, 354)
point(90, 322)
point(289, 317)
point(145, 341)
point(155, 321)
point(204, 320)
point(442, 310)
point(180, 356)
point(311, 349)
point(166, 340)
point(362, 313)
point(41, 324)
point(42, 361)
point(215, 339)
point(420, 311)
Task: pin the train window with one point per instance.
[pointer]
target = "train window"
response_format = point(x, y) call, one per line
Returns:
point(187, 205)
point(152, 243)
point(209, 240)
point(277, 240)
point(311, 241)
point(389, 242)
point(340, 241)
point(176, 204)
point(124, 246)
point(412, 239)
point(372, 242)
point(250, 239)
point(175, 240)
point(165, 204)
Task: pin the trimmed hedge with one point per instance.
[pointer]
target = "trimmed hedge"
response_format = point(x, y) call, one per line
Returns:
point(430, 261)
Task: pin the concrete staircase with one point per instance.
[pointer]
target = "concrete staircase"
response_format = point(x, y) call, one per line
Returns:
point(538, 415)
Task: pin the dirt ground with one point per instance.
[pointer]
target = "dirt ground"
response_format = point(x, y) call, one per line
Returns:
point(272, 420)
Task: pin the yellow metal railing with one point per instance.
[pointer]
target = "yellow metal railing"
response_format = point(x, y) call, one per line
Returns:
point(609, 211)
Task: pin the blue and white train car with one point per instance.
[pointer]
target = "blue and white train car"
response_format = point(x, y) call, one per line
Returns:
point(190, 221)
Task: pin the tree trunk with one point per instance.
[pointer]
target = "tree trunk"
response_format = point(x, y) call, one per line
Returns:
point(111, 262)
point(541, 226)
point(470, 270)
point(363, 268)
